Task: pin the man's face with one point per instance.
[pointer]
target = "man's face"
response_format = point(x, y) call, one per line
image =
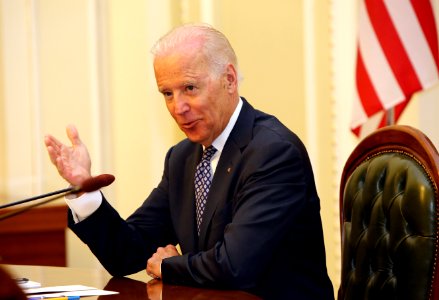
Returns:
point(199, 101)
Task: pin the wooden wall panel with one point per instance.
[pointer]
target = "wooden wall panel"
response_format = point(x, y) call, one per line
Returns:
point(35, 237)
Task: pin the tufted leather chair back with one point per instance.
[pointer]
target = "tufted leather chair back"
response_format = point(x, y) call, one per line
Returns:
point(389, 217)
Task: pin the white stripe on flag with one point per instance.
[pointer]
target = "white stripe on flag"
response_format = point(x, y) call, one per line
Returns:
point(375, 62)
point(371, 124)
point(413, 39)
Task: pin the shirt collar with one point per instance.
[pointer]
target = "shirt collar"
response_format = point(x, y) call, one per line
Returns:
point(221, 140)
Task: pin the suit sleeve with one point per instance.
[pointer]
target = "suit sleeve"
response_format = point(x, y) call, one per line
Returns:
point(124, 246)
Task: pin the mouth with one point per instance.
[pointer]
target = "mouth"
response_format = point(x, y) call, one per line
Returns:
point(189, 125)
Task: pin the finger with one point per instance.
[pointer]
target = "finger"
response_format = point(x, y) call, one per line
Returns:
point(170, 250)
point(73, 135)
point(52, 154)
point(150, 267)
point(52, 141)
point(157, 256)
point(53, 148)
point(60, 166)
point(171, 247)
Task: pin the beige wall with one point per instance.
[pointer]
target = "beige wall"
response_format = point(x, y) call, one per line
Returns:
point(322, 117)
point(2, 128)
point(87, 62)
point(270, 54)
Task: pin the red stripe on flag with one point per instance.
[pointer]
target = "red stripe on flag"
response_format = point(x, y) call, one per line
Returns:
point(356, 130)
point(383, 119)
point(392, 47)
point(366, 91)
point(424, 13)
point(397, 58)
point(400, 108)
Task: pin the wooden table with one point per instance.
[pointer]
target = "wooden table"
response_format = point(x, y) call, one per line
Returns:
point(136, 286)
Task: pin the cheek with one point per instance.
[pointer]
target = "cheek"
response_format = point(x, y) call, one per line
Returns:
point(213, 117)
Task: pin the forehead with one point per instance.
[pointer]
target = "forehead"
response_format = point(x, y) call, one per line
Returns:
point(180, 67)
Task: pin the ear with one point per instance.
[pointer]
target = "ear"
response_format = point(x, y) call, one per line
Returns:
point(231, 79)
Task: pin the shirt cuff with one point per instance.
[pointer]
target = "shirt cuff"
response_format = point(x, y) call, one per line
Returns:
point(85, 205)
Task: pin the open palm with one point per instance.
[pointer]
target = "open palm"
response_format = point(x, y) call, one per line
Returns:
point(73, 162)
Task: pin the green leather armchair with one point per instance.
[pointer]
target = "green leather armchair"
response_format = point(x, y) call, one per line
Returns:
point(389, 217)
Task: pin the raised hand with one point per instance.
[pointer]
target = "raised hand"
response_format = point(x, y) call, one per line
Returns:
point(73, 162)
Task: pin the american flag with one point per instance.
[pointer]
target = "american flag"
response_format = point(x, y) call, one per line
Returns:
point(397, 56)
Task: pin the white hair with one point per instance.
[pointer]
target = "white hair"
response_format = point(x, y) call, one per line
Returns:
point(215, 46)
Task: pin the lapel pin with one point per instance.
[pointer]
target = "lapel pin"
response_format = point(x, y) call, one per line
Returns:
point(229, 169)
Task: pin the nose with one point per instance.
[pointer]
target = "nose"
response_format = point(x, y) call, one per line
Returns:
point(181, 104)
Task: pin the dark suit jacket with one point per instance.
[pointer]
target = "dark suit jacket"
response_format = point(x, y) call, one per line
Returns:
point(261, 229)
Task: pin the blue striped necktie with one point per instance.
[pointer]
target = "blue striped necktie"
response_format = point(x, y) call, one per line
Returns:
point(203, 180)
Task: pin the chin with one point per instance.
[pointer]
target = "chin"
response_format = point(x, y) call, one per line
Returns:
point(196, 139)
point(192, 138)
point(195, 136)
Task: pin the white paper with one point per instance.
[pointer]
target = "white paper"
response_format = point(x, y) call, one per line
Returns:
point(67, 290)
point(59, 288)
point(85, 293)
point(29, 284)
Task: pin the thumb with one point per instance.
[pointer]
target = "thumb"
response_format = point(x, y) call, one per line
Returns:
point(73, 135)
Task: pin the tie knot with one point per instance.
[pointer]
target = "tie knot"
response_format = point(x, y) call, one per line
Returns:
point(208, 153)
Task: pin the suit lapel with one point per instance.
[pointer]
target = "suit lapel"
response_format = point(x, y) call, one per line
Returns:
point(219, 188)
point(230, 157)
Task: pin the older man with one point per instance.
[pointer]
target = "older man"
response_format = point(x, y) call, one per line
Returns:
point(238, 195)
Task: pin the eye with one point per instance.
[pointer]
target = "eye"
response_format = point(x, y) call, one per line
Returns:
point(190, 88)
point(167, 94)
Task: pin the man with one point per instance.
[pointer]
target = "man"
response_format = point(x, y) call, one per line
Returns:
point(259, 229)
